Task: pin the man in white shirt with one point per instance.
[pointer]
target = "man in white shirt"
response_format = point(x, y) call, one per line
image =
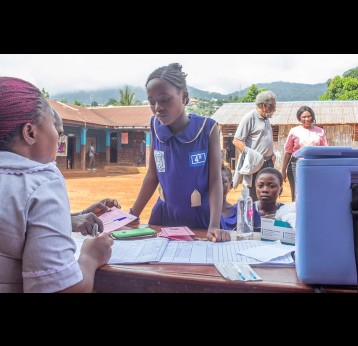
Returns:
point(255, 132)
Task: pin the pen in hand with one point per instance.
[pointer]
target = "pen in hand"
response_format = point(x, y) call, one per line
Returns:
point(95, 230)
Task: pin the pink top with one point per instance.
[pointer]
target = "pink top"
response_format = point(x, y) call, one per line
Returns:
point(300, 136)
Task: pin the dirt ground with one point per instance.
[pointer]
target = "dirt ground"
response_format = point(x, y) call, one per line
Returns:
point(84, 191)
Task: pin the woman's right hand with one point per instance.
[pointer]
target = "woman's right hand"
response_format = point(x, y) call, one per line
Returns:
point(98, 248)
point(284, 175)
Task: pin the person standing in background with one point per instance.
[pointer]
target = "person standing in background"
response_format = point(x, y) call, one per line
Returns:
point(227, 148)
point(306, 134)
point(255, 132)
point(91, 154)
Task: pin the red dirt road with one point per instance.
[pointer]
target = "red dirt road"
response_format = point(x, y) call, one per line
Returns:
point(84, 191)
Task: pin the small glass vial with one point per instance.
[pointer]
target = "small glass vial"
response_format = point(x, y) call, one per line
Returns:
point(245, 214)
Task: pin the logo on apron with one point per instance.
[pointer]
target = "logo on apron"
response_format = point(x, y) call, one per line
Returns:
point(159, 160)
point(197, 158)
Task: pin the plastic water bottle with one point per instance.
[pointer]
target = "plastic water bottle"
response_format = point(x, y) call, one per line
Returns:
point(245, 214)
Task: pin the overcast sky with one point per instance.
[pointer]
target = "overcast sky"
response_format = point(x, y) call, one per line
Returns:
point(224, 73)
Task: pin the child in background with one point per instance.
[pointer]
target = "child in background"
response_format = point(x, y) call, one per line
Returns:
point(228, 218)
point(184, 159)
point(36, 248)
point(269, 186)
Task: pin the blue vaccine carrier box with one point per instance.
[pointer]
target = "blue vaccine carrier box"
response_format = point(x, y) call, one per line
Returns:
point(324, 225)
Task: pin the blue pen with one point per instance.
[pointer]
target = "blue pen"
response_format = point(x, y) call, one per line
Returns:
point(241, 274)
point(252, 275)
point(119, 219)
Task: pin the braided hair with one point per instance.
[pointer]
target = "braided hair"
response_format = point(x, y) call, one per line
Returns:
point(20, 103)
point(172, 74)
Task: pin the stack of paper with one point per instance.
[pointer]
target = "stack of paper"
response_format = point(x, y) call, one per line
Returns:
point(162, 250)
point(268, 253)
point(177, 233)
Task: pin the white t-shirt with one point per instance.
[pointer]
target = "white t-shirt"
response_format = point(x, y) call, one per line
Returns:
point(256, 132)
point(91, 151)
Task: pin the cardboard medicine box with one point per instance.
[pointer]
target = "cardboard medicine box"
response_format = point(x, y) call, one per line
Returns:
point(272, 229)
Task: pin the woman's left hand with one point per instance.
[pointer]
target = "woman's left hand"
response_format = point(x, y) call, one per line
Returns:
point(218, 235)
point(102, 206)
point(84, 224)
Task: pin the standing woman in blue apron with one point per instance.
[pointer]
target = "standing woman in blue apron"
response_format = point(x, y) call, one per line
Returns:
point(184, 160)
point(306, 134)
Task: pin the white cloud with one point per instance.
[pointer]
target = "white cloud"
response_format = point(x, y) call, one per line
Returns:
point(223, 73)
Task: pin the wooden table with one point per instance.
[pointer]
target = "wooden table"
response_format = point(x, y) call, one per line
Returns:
point(178, 278)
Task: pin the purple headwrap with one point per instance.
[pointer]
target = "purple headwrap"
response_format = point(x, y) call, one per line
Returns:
point(18, 103)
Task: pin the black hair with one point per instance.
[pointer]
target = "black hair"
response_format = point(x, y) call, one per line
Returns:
point(305, 109)
point(228, 172)
point(172, 74)
point(271, 170)
point(57, 116)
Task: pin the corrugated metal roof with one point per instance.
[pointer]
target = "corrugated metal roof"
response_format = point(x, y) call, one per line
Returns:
point(327, 112)
point(126, 116)
point(112, 117)
point(79, 115)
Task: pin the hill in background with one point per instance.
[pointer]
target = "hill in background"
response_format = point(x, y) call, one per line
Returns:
point(284, 91)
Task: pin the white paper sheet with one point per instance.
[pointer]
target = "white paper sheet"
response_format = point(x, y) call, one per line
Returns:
point(268, 252)
point(138, 251)
point(205, 252)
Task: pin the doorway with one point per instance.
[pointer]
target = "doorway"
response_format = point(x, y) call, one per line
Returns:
point(113, 148)
point(71, 152)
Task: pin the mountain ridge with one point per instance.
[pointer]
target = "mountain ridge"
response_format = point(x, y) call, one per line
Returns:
point(285, 91)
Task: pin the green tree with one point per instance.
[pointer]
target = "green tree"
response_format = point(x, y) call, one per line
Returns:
point(64, 100)
point(111, 102)
point(78, 103)
point(251, 94)
point(126, 97)
point(341, 89)
point(351, 73)
point(45, 94)
point(204, 107)
point(94, 104)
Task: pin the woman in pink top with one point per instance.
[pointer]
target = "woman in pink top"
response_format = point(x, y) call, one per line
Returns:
point(306, 134)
